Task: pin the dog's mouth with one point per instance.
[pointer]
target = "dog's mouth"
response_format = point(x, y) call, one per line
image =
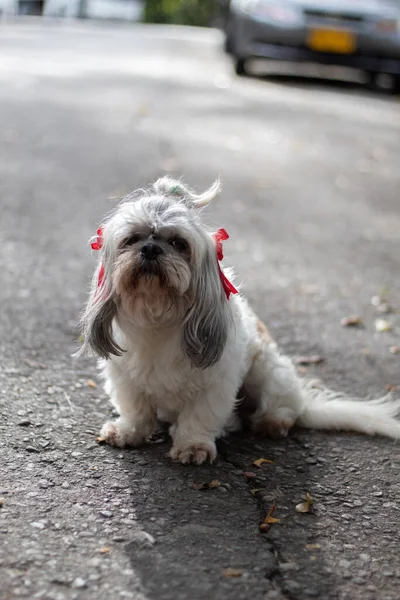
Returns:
point(150, 269)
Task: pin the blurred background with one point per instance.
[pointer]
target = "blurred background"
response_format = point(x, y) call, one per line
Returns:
point(294, 104)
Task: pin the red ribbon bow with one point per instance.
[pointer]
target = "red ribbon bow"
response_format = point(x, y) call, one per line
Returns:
point(97, 245)
point(220, 236)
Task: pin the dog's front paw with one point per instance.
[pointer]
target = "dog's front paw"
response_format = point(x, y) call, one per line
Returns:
point(121, 433)
point(195, 453)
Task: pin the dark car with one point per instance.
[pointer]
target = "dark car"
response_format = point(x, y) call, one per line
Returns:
point(363, 34)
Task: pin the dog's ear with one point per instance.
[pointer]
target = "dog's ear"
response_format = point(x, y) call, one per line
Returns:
point(176, 189)
point(98, 316)
point(205, 330)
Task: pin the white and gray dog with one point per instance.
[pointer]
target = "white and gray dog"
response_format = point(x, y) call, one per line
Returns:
point(177, 342)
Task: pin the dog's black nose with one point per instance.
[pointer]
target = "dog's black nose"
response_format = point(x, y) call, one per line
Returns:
point(151, 251)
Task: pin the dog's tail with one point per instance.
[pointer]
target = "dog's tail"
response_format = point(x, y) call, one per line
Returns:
point(325, 409)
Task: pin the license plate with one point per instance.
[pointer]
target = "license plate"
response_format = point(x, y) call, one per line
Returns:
point(331, 40)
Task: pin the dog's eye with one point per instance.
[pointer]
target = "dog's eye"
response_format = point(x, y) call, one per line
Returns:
point(133, 239)
point(179, 244)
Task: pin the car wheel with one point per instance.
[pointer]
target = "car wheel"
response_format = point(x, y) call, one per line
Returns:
point(383, 82)
point(240, 66)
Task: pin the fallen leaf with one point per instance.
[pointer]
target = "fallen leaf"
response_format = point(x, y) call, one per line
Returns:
point(105, 550)
point(255, 491)
point(101, 440)
point(249, 474)
point(305, 507)
point(353, 321)
point(229, 572)
point(394, 349)
point(201, 485)
point(214, 483)
point(269, 520)
point(314, 359)
point(312, 547)
point(91, 383)
point(382, 326)
point(204, 485)
point(261, 461)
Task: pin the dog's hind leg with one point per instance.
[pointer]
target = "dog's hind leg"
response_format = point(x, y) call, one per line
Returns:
point(274, 387)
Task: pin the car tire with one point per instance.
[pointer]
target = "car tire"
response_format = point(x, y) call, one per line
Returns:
point(383, 82)
point(240, 66)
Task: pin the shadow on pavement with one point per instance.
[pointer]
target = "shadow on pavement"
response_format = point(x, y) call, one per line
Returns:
point(192, 536)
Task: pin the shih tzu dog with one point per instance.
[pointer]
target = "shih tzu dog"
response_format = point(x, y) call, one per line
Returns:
point(178, 342)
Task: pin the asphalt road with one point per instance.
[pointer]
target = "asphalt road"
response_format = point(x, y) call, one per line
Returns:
point(311, 182)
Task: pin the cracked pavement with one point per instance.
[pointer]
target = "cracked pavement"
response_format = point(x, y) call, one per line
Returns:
point(311, 179)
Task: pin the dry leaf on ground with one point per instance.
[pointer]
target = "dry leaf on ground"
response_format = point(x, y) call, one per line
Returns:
point(261, 461)
point(215, 483)
point(394, 349)
point(382, 326)
point(249, 474)
point(269, 520)
point(91, 383)
point(352, 321)
point(204, 485)
point(105, 550)
point(229, 572)
point(305, 507)
point(313, 547)
point(314, 359)
point(255, 491)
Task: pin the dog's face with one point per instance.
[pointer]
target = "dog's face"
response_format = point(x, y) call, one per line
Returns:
point(154, 245)
point(160, 270)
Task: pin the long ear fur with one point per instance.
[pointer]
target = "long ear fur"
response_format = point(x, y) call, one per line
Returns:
point(175, 188)
point(97, 320)
point(206, 328)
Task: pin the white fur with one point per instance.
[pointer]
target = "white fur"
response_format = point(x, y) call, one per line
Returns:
point(156, 374)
